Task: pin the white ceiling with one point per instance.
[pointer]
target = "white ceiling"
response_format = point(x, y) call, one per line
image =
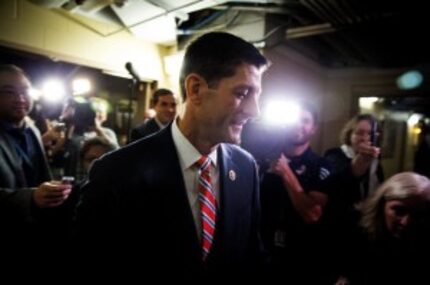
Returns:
point(152, 20)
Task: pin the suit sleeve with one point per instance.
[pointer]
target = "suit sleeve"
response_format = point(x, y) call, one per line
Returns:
point(96, 216)
point(16, 203)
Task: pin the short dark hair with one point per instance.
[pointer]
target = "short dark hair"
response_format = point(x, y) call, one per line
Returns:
point(96, 141)
point(216, 55)
point(11, 68)
point(158, 93)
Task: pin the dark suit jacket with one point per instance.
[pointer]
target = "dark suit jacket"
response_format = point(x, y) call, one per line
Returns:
point(135, 204)
point(21, 227)
point(15, 195)
point(144, 130)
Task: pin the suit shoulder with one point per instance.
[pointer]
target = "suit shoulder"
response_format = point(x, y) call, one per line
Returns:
point(238, 152)
point(130, 154)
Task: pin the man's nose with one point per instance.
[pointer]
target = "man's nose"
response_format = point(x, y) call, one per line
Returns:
point(252, 107)
point(23, 97)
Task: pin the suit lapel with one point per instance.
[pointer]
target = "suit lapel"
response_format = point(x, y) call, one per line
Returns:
point(228, 197)
point(40, 149)
point(12, 158)
point(234, 197)
point(176, 201)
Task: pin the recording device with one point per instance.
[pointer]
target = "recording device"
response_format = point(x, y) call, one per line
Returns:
point(68, 180)
point(132, 72)
point(59, 126)
point(84, 117)
point(374, 133)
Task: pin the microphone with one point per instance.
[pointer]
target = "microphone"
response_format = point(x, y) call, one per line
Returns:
point(132, 72)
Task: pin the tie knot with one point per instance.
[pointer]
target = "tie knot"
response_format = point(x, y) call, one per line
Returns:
point(203, 163)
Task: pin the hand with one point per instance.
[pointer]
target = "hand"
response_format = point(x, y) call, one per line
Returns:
point(368, 151)
point(51, 194)
point(364, 157)
point(280, 165)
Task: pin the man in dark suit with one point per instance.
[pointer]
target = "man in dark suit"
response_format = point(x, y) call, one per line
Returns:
point(164, 103)
point(146, 200)
point(27, 193)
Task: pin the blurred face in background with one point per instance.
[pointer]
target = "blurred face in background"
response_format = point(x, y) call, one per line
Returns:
point(15, 100)
point(165, 108)
point(402, 217)
point(302, 132)
point(92, 154)
point(360, 134)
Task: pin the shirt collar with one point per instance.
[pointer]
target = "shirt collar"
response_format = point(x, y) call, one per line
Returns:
point(160, 125)
point(188, 154)
point(10, 127)
point(348, 151)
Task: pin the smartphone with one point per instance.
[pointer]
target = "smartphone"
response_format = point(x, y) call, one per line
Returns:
point(374, 133)
point(68, 180)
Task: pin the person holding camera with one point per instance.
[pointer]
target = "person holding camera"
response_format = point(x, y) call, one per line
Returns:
point(357, 173)
point(99, 106)
point(358, 155)
point(27, 191)
point(83, 121)
point(292, 203)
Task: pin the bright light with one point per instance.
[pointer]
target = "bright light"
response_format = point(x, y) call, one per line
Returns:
point(53, 90)
point(281, 112)
point(416, 130)
point(414, 119)
point(81, 86)
point(35, 94)
point(367, 102)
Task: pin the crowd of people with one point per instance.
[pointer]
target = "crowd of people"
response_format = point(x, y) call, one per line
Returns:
point(186, 198)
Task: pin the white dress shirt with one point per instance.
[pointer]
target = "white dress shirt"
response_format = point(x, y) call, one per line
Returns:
point(188, 156)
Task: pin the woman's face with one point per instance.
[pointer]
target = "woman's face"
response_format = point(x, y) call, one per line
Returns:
point(360, 134)
point(402, 217)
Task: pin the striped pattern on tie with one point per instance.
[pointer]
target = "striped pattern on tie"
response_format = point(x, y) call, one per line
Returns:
point(207, 204)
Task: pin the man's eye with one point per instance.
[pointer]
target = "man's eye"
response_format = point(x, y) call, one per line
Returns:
point(8, 93)
point(242, 94)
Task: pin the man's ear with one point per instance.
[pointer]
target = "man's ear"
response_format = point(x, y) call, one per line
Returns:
point(194, 85)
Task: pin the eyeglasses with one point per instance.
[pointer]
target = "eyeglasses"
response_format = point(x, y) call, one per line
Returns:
point(9, 94)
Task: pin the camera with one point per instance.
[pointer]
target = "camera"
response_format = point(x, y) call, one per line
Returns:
point(80, 115)
point(374, 133)
point(68, 180)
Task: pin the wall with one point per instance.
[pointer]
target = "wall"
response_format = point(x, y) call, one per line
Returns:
point(344, 87)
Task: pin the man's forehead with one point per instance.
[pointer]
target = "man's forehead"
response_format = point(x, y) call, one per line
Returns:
point(167, 98)
point(9, 80)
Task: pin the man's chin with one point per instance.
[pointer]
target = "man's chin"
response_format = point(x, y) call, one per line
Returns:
point(17, 117)
point(235, 139)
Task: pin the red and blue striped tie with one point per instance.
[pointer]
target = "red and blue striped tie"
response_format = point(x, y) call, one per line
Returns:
point(207, 204)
